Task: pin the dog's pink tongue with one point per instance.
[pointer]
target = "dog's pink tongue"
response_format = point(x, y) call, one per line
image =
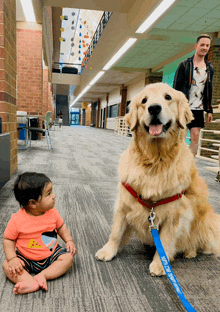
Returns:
point(156, 130)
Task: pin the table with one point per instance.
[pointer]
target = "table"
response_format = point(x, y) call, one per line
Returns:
point(28, 117)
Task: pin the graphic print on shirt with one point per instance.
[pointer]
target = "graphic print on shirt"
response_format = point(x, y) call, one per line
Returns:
point(194, 82)
point(197, 88)
point(49, 239)
point(34, 244)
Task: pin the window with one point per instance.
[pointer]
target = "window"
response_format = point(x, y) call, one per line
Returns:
point(127, 109)
point(113, 111)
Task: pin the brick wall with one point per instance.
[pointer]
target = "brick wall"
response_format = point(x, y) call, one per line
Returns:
point(214, 58)
point(29, 71)
point(8, 74)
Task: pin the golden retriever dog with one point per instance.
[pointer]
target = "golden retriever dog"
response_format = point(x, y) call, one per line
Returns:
point(157, 165)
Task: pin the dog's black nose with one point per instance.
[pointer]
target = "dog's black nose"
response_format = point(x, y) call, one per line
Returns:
point(154, 109)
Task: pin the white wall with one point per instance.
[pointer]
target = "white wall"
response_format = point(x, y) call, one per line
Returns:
point(136, 87)
point(133, 88)
point(111, 123)
point(114, 97)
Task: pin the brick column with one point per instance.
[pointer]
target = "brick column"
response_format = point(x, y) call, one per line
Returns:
point(106, 110)
point(47, 94)
point(214, 58)
point(92, 114)
point(8, 75)
point(98, 114)
point(84, 107)
point(29, 68)
point(153, 77)
point(123, 104)
point(88, 115)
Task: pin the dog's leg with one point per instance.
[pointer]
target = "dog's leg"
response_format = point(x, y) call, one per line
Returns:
point(110, 249)
point(167, 240)
point(126, 237)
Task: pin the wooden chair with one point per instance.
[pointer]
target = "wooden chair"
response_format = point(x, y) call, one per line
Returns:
point(43, 130)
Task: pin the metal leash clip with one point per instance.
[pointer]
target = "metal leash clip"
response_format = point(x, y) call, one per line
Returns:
point(151, 219)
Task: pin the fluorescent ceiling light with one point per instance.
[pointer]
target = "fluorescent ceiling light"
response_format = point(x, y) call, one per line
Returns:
point(28, 10)
point(123, 49)
point(88, 87)
point(162, 7)
point(96, 77)
point(84, 91)
point(80, 95)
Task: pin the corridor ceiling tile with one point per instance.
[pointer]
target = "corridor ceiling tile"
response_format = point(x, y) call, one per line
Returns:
point(199, 12)
point(189, 3)
point(207, 4)
point(163, 24)
point(217, 23)
point(195, 27)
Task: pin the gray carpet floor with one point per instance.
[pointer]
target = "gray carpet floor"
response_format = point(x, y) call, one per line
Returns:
point(83, 168)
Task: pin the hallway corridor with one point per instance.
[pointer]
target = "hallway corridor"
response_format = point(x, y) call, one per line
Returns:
point(83, 169)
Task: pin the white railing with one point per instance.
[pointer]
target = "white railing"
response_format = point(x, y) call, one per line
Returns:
point(120, 127)
point(214, 158)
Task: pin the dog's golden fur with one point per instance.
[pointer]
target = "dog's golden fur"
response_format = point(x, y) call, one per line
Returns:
point(157, 165)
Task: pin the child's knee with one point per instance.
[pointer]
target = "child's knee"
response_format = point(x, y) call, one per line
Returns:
point(68, 258)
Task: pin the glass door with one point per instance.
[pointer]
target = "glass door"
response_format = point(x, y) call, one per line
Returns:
point(74, 119)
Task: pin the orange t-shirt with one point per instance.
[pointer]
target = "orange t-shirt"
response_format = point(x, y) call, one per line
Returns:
point(35, 237)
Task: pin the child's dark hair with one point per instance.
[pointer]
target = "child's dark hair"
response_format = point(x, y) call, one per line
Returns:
point(29, 185)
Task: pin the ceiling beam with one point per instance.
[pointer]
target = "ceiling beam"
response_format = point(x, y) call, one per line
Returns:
point(120, 6)
point(100, 84)
point(56, 13)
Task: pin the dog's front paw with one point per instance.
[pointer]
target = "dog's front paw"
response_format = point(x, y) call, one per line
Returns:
point(156, 269)
point(107, 253)
point(190, 254)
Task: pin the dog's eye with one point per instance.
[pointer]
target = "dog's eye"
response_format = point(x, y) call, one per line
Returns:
point(168, 97)
point(144, 101)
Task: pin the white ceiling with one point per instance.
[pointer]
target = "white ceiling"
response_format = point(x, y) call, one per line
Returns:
point(170, 38)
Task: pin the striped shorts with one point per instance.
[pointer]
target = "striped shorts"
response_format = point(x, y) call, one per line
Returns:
point(36, 267)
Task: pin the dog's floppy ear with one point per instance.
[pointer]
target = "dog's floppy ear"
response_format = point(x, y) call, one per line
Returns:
point(132, 117)
point(185, 115)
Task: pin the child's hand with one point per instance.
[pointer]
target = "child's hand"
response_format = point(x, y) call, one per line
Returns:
point(70, 246)
point(16, 266)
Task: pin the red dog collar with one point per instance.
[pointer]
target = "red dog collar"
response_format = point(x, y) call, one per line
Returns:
point(148, 203)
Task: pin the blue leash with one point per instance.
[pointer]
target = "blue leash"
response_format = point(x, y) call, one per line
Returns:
point(166, 264)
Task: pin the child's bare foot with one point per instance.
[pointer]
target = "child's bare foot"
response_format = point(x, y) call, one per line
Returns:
point(26, 286)
point(42, 282)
